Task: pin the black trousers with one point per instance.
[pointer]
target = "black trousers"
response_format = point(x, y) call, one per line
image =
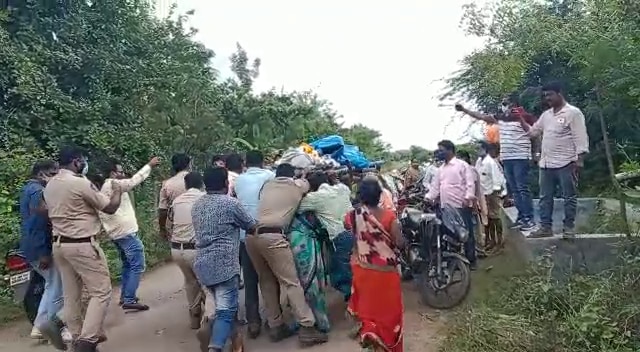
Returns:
point(251, 295)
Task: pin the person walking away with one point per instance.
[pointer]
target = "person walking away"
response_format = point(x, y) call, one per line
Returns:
point(454, 184)
point(330, 203)
point(247, 190)
point(73, 203)
point(183, 248)
point(492, 184)
point(217, 220)
point(273, 259)
point(122, 229)
point(35, 245)
point(565, 142)
point(515, 153)
point(412, 174)
point(376, 301)
point(170, 190)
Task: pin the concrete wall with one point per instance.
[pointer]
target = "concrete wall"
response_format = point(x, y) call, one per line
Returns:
point(587, 252)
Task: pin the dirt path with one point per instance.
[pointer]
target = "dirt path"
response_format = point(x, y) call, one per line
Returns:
point(165, 327)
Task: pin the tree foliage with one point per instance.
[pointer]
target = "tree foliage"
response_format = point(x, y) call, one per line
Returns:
point(110, 77)
point(588, 45)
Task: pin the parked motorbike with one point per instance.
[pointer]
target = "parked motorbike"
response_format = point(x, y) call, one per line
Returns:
point(433, 255)
point(26, 284)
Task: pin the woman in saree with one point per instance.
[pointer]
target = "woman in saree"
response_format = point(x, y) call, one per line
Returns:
point(305, 236)
point(376, 300)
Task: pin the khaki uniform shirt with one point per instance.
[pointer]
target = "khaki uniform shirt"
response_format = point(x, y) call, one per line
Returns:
point(73, 203)
point(181, 212)
point(171, 189)
point(279, 200)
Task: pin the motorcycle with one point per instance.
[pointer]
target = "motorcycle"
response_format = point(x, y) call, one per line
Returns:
point(27, 285)
point(433, 255)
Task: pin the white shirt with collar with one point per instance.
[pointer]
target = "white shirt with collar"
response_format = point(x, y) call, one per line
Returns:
point(491, 177)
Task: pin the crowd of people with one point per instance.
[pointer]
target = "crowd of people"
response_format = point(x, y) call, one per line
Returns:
point(238, 226)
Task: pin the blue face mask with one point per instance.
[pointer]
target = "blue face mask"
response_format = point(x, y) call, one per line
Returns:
point(440, 155)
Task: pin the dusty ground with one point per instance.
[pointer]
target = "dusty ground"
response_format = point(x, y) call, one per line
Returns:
point(165, 327)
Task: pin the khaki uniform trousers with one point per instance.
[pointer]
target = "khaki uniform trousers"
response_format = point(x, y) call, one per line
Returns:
point(195, 295)
point(84, 264)
point(272, 258)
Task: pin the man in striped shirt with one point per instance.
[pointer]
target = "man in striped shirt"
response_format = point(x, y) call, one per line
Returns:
point(565, 142)
point(515, 153)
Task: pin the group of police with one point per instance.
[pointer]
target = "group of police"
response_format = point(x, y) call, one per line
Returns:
point(64, 211)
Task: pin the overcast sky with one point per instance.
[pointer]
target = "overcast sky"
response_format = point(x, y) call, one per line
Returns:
point(379, 62)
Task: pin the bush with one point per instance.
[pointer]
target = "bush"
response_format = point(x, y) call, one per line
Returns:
point(539, 313)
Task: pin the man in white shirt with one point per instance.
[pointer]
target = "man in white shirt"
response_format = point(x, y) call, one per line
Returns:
point(492, 185)
point(122, 229)
point(234, 165)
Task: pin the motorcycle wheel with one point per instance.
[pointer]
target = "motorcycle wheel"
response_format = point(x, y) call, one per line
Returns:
point(33, 296)
point(453, 294)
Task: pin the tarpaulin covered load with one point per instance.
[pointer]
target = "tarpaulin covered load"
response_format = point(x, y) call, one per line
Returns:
point(328, 145)
point(345, 154)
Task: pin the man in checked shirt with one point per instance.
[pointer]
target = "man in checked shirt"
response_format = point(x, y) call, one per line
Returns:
point(564, 144)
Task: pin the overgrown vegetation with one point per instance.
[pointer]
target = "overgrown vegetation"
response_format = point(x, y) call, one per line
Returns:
point(535, 312)
point(110, 77)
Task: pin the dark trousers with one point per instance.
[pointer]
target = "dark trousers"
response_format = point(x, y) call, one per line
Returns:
point(516, 172)
point(567, 179)
point(470, 245)
point(340, 267)
point(251, 295)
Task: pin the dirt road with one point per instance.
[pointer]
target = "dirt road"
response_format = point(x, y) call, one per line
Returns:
point(165, 327)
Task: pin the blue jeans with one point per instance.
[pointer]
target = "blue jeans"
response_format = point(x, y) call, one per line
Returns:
point(567, 179)
point(131, 252)
point(516, 172)
point(52, 299)
point(225, 294)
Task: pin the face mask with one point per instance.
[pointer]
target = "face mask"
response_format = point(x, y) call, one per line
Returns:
point(504, 108)
point(440, 155)
point(85, 169)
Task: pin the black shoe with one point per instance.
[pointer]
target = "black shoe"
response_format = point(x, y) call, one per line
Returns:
point(52, 331)
point(310, 336)
point(85, 346)
point(280, 333)
point(135, 307)
point(542, 232)
point(254, 330)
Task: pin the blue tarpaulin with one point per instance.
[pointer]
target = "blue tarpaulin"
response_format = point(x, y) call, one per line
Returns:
point(343, 153)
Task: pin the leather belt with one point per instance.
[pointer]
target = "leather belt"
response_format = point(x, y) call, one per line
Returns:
point(181, 246)
point(262, 230)
point(63, 239)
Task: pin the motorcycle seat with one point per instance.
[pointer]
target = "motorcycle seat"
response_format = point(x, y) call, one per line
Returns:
point(417, 216)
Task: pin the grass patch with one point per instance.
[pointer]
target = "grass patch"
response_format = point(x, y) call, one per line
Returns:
point(511, 310)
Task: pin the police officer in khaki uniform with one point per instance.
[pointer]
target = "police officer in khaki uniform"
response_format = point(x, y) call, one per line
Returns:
point(183, 248)
point(73, 203)
point(171, 189)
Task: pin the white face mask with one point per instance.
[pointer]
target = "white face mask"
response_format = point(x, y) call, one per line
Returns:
point(504, 108)
point(85, 170)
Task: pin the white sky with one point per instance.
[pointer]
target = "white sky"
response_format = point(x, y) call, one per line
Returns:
point(379, 62)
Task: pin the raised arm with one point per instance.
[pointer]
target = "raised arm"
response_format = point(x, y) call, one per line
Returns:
point(476, 115)
point(129, 183)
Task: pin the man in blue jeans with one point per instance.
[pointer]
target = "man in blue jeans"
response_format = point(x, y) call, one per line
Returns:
point(35, 245)
point(515, 153)
point(122, 229)
point(217, 221)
